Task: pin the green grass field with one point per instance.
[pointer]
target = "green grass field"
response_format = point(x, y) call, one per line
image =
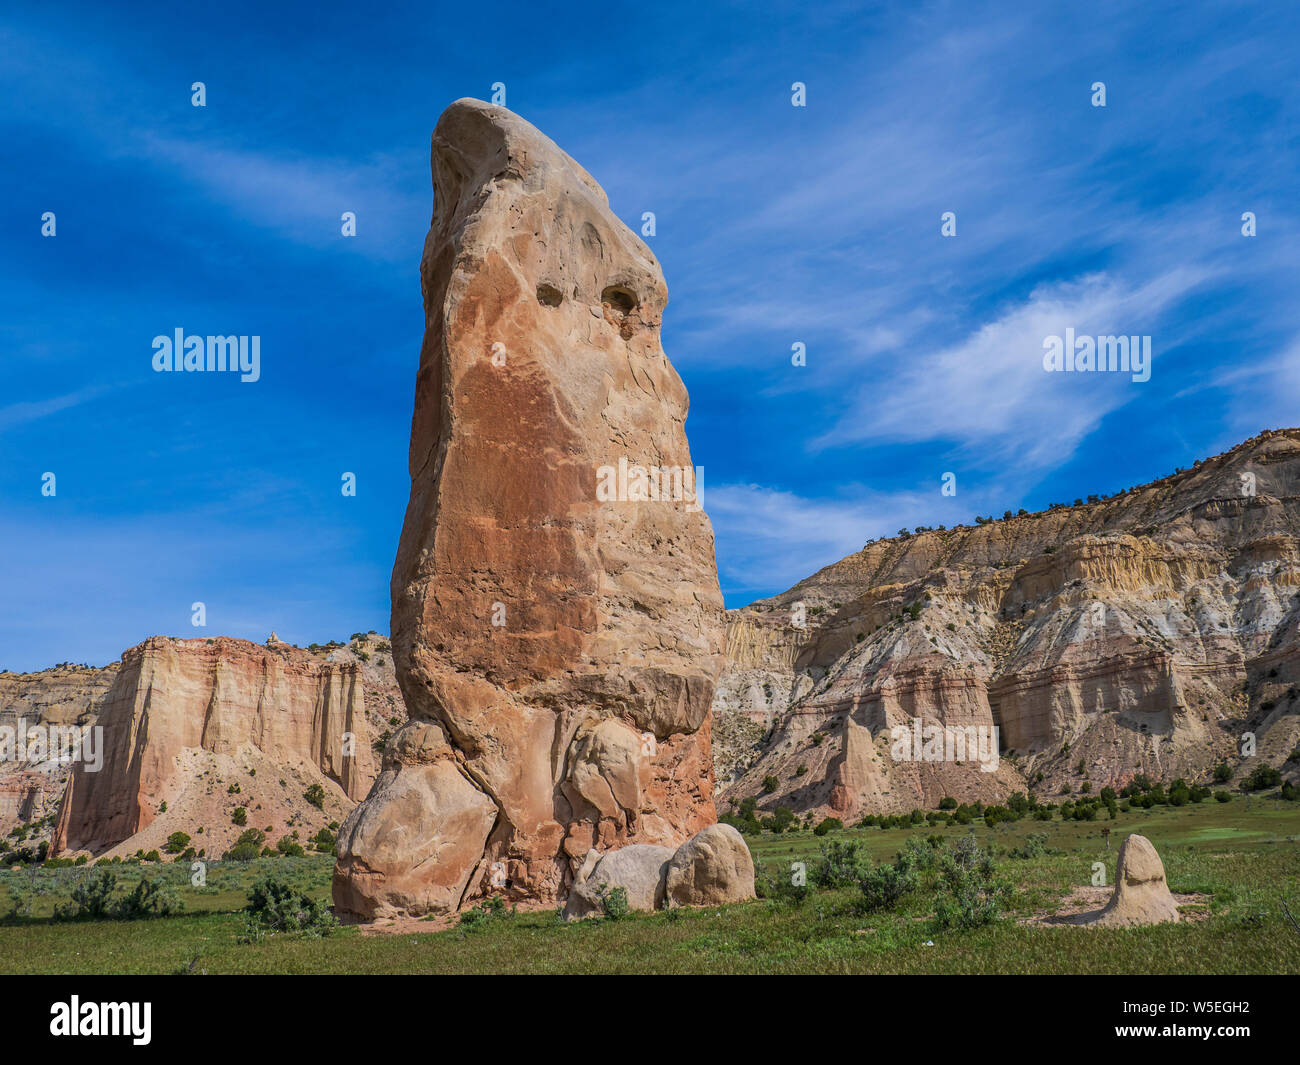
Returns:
point(1246, 859)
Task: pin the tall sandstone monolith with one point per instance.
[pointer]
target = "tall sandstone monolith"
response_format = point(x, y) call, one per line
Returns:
point(556, 618)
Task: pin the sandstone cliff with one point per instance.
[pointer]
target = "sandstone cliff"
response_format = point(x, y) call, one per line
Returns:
point(66, 697)
point(193, 729)
point(1145, 632)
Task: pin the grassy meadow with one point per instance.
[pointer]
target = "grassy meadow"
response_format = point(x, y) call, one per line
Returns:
point(1244, 859)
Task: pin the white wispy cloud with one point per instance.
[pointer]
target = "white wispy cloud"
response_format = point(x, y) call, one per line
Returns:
point(22, 413)
point(990, 394)
point(774, 538)
point(303, 198)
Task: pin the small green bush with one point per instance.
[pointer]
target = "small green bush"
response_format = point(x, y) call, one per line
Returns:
point(485, 913)
point(840, 865)
point(613, 900)
point(177, 842)
point(276, 906)
point(1261, 777)
point(884, 885)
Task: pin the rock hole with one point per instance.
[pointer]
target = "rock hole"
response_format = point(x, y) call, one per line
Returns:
point(620, 298)
point(549, 295)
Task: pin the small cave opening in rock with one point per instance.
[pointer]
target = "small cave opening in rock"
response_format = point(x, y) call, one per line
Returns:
point(549, 295)
point(620, 298)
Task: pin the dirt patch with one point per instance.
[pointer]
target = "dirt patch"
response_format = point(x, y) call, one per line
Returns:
point(387, 926)
point(1085, 904)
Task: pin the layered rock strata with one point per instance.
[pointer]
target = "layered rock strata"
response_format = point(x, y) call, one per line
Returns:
point(1148, 632)
point(192, 730)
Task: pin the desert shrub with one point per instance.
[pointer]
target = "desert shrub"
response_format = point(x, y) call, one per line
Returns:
point(747, 825)
point(969, 897)
point(776, 883)
point(1222, 773)
point(828, 824)
point(1261, 777)
point(275, 906)
point(884, 885)
point(919, 855)
point(746, 820)
point(290, 847)
point(239, 817)
point(91, 899)
point(770, 784)
point(613, 901)
point(839, 866)
point(1034, 846)
point(1223, 796)
point(485, 913)
point(782, 818)
point(177, 842)
point(247, 847)
point(316, 796)
point(149, 898)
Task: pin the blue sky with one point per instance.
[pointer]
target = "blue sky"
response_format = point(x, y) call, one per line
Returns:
point(775, 225)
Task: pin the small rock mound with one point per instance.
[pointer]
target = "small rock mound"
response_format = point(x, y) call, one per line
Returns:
point(639, 870)
point(1141, 894)
point(712, 867)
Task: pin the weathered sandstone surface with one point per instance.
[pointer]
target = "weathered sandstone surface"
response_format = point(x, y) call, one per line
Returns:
point(1141, 894)
point(640, 870)
point(193, 729)
point(66, 697)
point(1141, 633)
point(564, 642)
point(712, 868)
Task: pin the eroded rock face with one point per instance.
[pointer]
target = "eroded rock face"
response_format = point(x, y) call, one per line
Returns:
point(555, 611)
point(412, 848)
point(1136, 634)
point(66, 697)
point(192, 729)
point(1141, 894)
